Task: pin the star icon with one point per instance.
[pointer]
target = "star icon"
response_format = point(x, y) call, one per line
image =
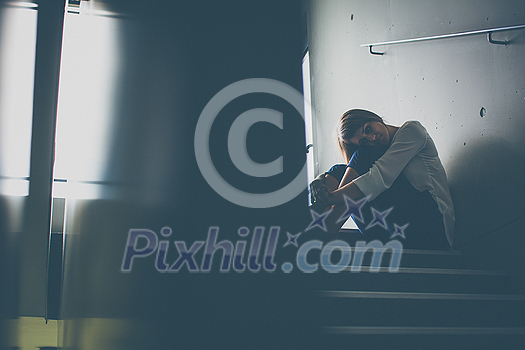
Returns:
point(353, 208)
point(318, 220)
point(399, 231)
point(292, 239)
point(379, 218)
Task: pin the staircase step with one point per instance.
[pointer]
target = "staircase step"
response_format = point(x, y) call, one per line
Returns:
point(427, 310)
point(428, 338)
point(410, 257)
point(421, 296)
point(430, 302)
point(428, 258)
point(428, 330)
point(415, 280)
point(415, 258)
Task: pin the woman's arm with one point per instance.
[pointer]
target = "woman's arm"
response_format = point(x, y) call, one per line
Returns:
point(319, 189)
point(410, 140)
point(349, 176)
point(347, 187)
point(327, 183)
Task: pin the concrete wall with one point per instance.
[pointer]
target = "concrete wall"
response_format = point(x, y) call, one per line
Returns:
point(444, 84)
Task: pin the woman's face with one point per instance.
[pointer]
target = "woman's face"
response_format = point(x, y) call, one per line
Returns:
point(371, 134)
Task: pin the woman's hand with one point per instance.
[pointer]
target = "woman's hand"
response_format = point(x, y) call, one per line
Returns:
point(320, 193)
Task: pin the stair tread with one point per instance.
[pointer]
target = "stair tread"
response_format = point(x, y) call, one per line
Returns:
point(421, 295)
point(423, 330)
point(433, 270)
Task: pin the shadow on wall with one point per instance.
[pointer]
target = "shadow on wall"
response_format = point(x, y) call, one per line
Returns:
point(487, 188)
point(8, 277)
point(4, 314)
point(515, 37)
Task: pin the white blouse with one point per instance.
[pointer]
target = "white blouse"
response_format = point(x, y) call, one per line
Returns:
point(413, 153)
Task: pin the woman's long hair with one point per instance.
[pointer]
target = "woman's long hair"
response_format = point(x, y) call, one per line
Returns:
point(349, 123)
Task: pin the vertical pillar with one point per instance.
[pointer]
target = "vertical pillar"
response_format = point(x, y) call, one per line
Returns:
point(38, 210)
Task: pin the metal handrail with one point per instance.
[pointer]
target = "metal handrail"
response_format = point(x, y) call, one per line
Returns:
point(445, 36)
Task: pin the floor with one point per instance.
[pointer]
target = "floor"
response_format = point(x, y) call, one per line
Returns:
point(30, 333)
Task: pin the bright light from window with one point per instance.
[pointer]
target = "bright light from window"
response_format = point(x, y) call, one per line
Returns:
point(88, 74)
point(310, 158)
point(17, 62)
point(308, 117)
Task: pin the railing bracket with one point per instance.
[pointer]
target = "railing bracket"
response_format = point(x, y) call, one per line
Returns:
point(498, 42)
point(375, 52)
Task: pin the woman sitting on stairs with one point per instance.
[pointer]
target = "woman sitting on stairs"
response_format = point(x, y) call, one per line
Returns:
point(393, 184)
